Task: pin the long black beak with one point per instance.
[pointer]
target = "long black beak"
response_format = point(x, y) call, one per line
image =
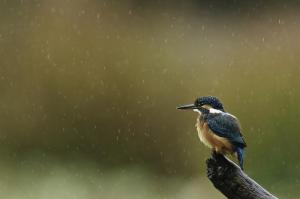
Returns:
point(187, 107)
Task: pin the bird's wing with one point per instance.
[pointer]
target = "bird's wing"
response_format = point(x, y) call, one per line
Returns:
point(225, 125)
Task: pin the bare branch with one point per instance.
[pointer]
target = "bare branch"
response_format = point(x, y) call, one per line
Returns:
point(229, 179)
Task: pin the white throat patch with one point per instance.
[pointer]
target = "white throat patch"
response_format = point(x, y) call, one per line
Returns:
point(212, 110)
point(196, 110)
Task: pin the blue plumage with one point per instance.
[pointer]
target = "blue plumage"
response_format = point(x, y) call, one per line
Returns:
point(220, 125)
point(240, 154)
point(225, 125)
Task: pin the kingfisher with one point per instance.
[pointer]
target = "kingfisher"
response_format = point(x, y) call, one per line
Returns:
point(218, 129)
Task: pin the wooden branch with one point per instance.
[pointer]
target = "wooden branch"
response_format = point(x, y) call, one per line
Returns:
point(229, 179)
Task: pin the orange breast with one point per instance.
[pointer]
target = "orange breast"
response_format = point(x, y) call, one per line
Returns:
point(210, 139)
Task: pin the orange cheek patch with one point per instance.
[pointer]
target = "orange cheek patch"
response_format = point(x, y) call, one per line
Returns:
point(206, 107)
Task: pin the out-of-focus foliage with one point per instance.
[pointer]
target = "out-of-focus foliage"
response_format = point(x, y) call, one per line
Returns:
point(94, 84)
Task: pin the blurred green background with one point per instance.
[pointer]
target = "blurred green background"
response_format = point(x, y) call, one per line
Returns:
point(88, 91)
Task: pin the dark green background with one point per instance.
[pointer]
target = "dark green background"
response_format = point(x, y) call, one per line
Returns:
point(89, 89)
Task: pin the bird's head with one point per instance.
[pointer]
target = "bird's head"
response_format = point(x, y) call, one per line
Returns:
point(204, 103)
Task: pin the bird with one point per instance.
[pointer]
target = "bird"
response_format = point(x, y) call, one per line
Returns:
point(218, 129)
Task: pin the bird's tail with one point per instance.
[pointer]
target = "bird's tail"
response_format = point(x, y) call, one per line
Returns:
point(240, 154)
